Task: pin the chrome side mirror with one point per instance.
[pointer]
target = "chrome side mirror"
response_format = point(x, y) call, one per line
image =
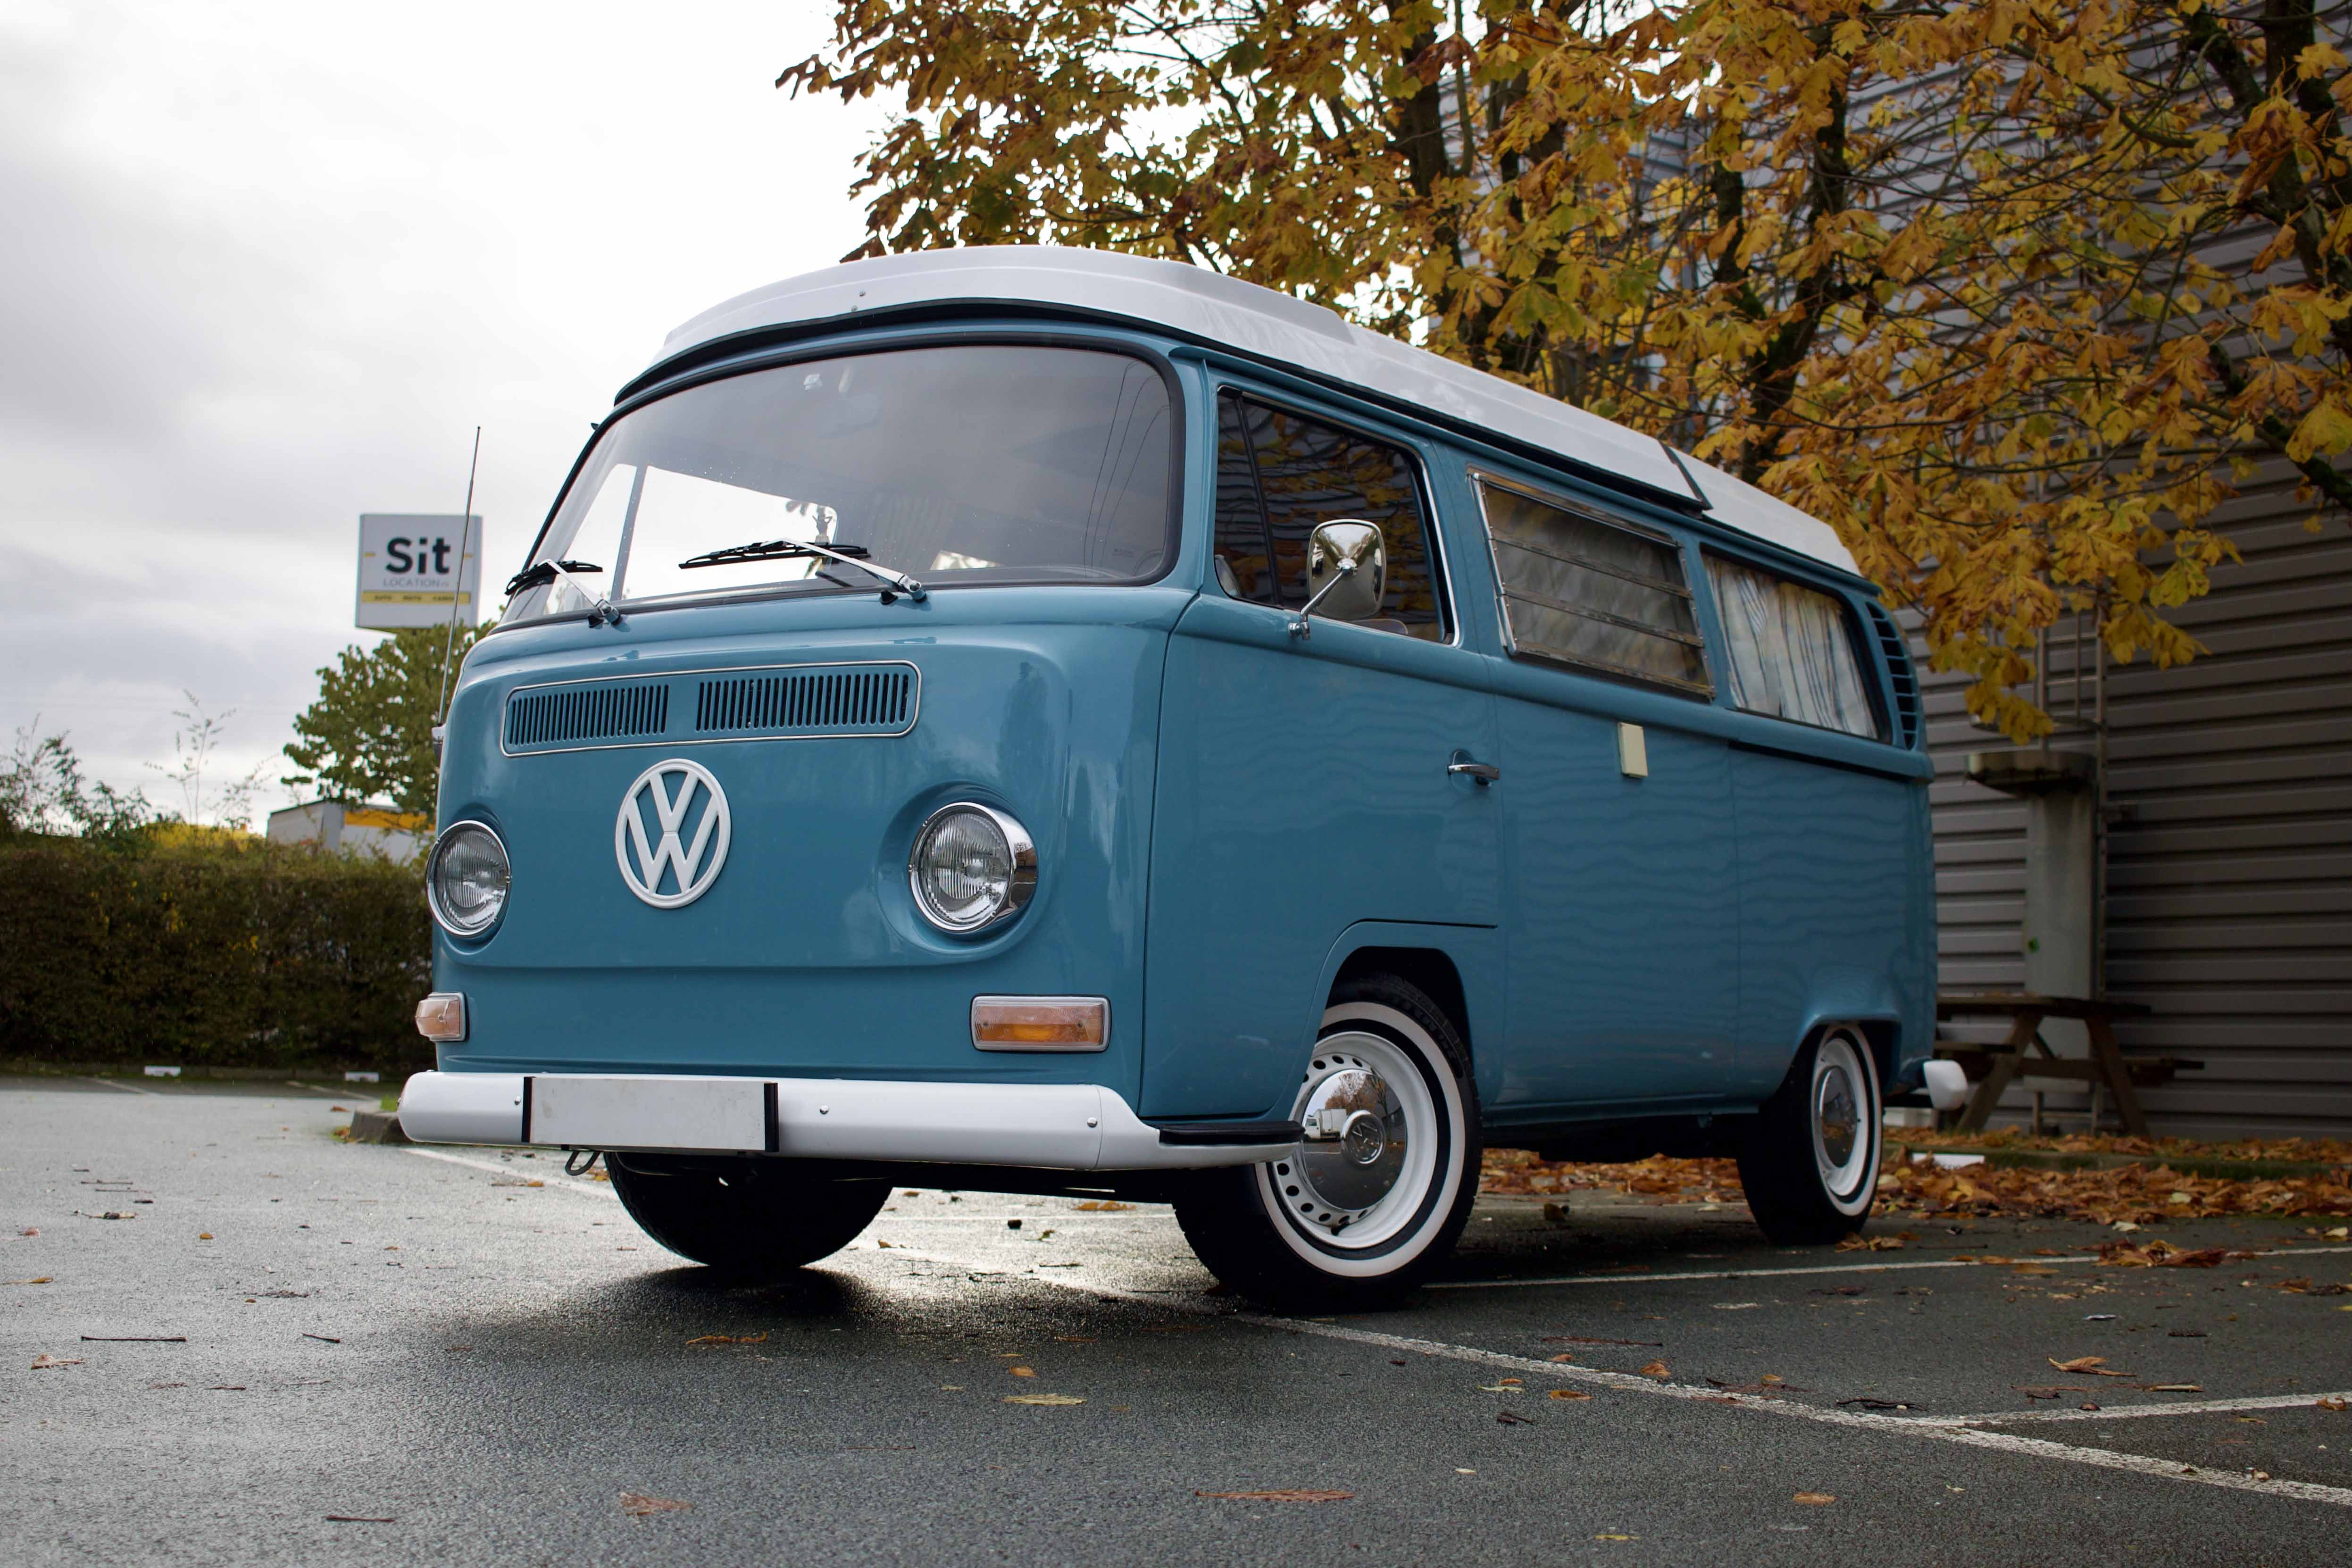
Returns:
point(1348, 572)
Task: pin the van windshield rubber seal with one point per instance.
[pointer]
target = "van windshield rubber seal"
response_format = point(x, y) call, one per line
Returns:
point(696, 371)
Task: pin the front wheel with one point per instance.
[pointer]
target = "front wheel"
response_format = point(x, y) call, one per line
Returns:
point(1377, 1191)
point(1809, 1163)
point(750, 1219)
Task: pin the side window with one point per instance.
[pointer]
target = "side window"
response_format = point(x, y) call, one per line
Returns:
point(1586, 589)
point(1245, 560)
point(1279, 474)
point(1790, 650)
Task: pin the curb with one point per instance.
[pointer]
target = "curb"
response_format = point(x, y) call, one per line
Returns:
point(376, 1127)
point(30, 1067)
point(2180, 1164)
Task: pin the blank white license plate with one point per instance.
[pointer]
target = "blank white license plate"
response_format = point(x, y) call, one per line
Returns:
point(648, 1113)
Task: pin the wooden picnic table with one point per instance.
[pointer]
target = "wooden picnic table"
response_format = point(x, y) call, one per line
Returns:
point(2025, 1054)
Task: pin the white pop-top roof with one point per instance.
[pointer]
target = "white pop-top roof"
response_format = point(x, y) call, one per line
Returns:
point(1267, 325)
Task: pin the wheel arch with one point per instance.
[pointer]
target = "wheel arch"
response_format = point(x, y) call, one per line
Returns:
point(1873, 1009)
point(1459, 968)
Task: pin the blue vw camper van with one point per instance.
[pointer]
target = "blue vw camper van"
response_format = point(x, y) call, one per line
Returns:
point(1043, 721)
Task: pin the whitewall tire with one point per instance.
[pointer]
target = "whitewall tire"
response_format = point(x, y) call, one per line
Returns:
point(1809, 1163)
point(1377, 1192)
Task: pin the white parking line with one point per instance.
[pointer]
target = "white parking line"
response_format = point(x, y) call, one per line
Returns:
point(2139, 1464)
point(2191, 1407)
point(1634, 1278)
point(109, 1083)
point(1945, 1430)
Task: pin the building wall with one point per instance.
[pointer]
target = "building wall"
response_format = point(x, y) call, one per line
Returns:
point(2229, 847)
point(344, 827)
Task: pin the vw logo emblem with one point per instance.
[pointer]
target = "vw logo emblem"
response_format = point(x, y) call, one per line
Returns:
point(669, 853)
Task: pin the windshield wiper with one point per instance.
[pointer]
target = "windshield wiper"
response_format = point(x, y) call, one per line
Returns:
point(546, 572)
point(789, 549)
point(600, 608)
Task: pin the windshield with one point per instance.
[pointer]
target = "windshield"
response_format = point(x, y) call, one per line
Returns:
point(965, 465)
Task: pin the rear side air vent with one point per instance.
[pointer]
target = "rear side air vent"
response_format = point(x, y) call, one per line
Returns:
point(566, 716)
point(1898, 668)
point(822, 700)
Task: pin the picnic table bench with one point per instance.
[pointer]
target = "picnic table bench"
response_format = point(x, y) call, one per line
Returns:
point(2025, 1054)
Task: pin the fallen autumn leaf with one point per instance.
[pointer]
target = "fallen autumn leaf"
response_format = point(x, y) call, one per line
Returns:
point(1043, 1399)
point(46, 1363)
point(2158, 1255)
point(637, 1505)
point(1815, 1499)
point(1656, 1369)
point(2091, 1366)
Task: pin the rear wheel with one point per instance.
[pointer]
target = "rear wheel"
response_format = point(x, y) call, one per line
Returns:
point(752, 1219)
point(1377, 1192)
point(1811, 1161)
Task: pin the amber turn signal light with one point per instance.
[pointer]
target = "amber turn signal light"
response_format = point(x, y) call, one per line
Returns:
point(1040, 1023)
point(442, 1017)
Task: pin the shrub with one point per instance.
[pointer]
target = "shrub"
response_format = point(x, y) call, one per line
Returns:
point(209, 949)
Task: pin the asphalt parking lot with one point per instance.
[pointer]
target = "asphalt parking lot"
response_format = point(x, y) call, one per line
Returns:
point(299, 1350)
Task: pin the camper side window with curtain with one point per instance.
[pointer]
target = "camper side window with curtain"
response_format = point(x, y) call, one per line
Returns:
point(1789, 650)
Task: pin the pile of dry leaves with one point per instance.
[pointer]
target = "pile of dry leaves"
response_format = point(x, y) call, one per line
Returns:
point(1659, 1177)
point(2136, 1194)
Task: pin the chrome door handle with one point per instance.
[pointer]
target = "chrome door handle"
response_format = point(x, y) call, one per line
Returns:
point(1484, 773)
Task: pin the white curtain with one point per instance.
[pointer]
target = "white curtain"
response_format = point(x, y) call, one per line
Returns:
point(1791, 651)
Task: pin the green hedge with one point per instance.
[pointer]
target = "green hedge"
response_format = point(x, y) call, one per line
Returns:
point(216, 950)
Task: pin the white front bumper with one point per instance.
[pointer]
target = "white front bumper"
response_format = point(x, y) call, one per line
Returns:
point(1057, 1127)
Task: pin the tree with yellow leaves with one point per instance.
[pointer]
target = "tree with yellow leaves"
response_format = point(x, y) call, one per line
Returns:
point(2010, 293)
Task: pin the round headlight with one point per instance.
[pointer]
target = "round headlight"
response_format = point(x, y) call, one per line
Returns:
point(466, 882)
point(971, 867)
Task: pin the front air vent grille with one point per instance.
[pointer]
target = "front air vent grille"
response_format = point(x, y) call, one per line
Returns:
point(568, 715)
point(858, 700)
point(706, 706)
point(1906, 680)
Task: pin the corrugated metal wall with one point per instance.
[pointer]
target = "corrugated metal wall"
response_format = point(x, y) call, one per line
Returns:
point(2230, 848)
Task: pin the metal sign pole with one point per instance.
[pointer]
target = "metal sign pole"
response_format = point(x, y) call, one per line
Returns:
point(457, 588)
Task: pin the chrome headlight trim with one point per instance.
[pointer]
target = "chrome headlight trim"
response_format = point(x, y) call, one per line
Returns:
point(443, 917)
point(1020, 888)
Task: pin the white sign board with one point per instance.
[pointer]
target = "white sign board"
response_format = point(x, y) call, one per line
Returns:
point(409, 567)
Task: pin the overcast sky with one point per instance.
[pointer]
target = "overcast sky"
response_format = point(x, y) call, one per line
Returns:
point(266, 265)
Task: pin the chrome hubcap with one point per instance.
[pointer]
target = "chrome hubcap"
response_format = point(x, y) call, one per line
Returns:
point(1354, 1146)
point(1845, 1144)
point(1836, 1114)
